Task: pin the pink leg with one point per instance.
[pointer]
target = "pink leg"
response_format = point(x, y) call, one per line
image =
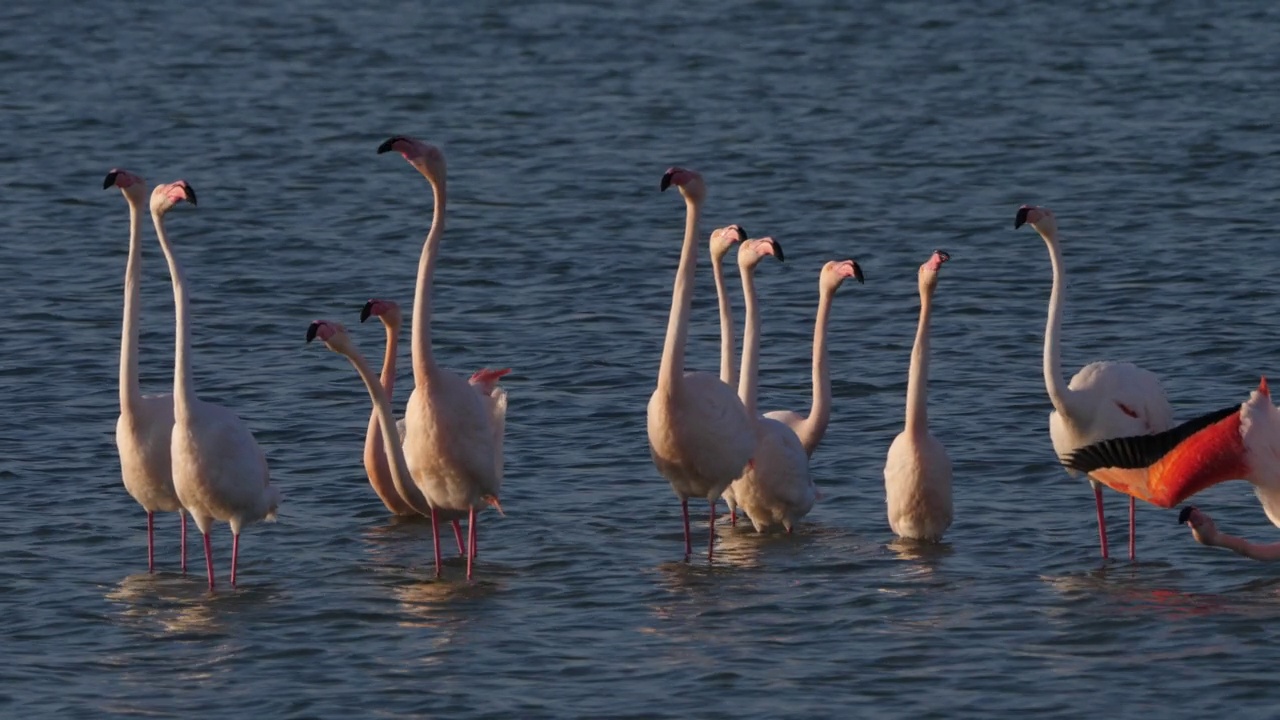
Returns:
point(151, 542)
point(471, 539)
point(688, 545)
point(435, 539)
point(457, 535)
point(733, 517)
point(184, 541)
point(235, 555)
point(475, 541)
point(208, 559)
point(711, 544)
point(1102, 520)
point(1133, 531)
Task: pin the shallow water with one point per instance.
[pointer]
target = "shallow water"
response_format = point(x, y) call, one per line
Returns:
point(871, 133)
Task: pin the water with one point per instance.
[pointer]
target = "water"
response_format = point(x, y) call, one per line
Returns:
point(871, 133)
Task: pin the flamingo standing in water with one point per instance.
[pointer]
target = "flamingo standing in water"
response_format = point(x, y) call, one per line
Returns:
point(700, 436)
point(453, 426)
point(776, 489)
point(146, 421)
point(1105, 399)
point(1241, 442)
point(375, 456)
point(917, 471)
point(721, 240)
point(219, 472)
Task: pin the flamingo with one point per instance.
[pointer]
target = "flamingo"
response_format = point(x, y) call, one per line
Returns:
point(1105, 399)
point(721, 240)
point(146, 421)
point(700, 436)
point(917, 471)
point(776, 488)
point(219, 472)
point(1241, 442)
point(375, 457)
point(453, 426)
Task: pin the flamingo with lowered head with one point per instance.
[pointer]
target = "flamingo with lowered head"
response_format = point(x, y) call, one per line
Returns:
point(700, 436)
point(453, 426)
point(917, 471)
point(146, 421)
point(776, 489)
point(721, 240)
point(1105, 399)
point(219, 472)
point(375, 456)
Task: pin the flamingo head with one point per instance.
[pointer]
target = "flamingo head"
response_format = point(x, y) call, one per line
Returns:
point(133, 187)
point(1040, 218)
point(388, 311)
point(753, 251)
point(424, 157)
point(689, 183)
point(929, 270)
point(332, 334)
point(834, 274)
point(166, 196)
point(723, 238)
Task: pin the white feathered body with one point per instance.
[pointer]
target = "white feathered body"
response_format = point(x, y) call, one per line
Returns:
point(142, 438)
point(917, 484)
point(1109, 400)
point(453, 442)
point(219, 472)
point(700, 435)
point(778, 490)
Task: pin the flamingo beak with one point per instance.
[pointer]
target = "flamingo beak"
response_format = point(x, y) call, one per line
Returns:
point(366, 311)
point(666, 180)
point(777, 249)
point(942, 255)
point(742, 233)
point(110, 179)
point(311, 331)
point(857, 274)
point(1185, 515)
point(190, 194)
point(1021, 218)
point(387, 144)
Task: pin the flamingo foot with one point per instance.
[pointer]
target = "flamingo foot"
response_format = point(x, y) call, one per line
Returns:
point(1102, 520)
point(1133, 530)
point(151, 542)
point(435, 539)
point(711, 542)
point(184, 541)
point(457, 535)
point(471, 540)
point(688, 545)
point(208, 559)
point(235, 556)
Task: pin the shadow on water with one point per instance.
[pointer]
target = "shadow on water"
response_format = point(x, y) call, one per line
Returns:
point(169, 604)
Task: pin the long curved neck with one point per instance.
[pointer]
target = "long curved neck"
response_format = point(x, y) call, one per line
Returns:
point(815, 426)
point(130, 392)
point(423, 361)
point(747, 383)
point(390, 436)
point(918, 376)
point(672, 366)
point(728, 373)
point(183, 392)
point(388, 376)
point(1053, 382)
point(375, 458)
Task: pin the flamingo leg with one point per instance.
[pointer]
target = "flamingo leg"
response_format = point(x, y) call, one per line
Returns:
point(471, 539)
point(711, 543)
point(688, 545)
point(208, 559)
point(1133, 531)
point(235, 555)
point(184, 541)
point(457, 535)
point(435, 539)
point(733, 517)
point(151, 542)
point(475, 541)
point(1102, 520)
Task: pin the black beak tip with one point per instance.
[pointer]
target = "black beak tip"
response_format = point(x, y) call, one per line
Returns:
point(366, 311)
point(110, 179)
point(777, 249)
point(1021, 218)
point(311, 331)
point(742, 233)
point(1185, 514)
point(191, 195)
point(857, 275)
point(666, 181)
point(946, 256)
point(386, 144)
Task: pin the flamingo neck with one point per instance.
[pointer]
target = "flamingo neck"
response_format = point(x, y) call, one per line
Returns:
point(728, 374)
point(388, 376)
point(815, 426)
point(748, 381)
point(130, 392)
point(376, 463)
point(918, 375)
point(1053, 382)
point(423, 361)
point(669, 372)
point(390, 436)
point(183, 392)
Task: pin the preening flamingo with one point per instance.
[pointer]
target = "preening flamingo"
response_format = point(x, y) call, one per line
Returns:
point(917, 471)
point(1241, 442)
point(700, 436)
point(1105, 399)
point(721, 240)
point(375, 456)
point(776, 488)
point(453, 427)
point(1206, 532)
point(219, 472)
point(146, 421)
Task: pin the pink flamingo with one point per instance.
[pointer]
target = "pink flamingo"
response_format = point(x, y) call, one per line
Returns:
point(721, 240)
point(146, 421)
